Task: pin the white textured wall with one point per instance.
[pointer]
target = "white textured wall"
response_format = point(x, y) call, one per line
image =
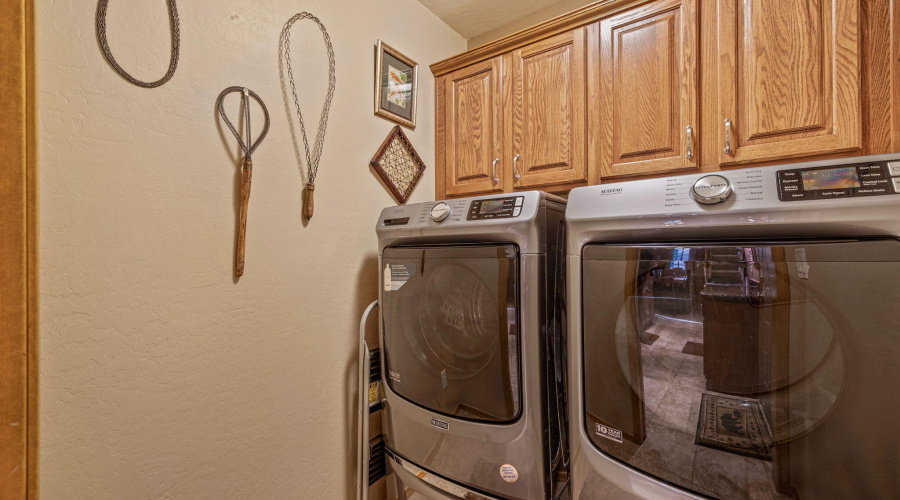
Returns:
point(162, 377)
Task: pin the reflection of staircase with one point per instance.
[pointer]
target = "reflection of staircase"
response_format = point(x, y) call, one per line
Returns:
point(726, 267)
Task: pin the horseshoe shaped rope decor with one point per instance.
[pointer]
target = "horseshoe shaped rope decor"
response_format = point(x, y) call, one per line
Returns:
point(104, 44)
point(312, 158)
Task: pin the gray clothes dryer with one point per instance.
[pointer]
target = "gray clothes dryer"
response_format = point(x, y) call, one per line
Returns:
point(472, 337)
point(736, 335)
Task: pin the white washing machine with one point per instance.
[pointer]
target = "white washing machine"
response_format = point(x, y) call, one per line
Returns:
point(737, 335)
point(472, 346)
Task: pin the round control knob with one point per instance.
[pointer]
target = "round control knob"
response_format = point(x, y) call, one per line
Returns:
point(711, 189)
point(440, 212)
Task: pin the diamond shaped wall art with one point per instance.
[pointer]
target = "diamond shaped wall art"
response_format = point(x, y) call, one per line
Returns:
point(398, 165)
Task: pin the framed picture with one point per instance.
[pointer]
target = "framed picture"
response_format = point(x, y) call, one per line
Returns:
point(395, 86)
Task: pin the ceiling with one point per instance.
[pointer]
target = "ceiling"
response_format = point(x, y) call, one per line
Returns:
point(471, 18)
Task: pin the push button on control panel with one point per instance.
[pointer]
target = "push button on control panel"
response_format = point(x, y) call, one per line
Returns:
point(797, 196)
point(874, 182)
point(834, 193)
point(894, 168)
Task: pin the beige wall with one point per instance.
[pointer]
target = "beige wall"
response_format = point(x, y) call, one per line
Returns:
point(162, 377)
point(557, 9)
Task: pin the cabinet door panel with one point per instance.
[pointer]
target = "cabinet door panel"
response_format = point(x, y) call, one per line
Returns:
point(546, 111)
point(473, 128)
point(648, 89)
point(789, 78)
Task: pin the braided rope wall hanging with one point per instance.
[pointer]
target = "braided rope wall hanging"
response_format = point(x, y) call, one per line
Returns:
point(102, 6)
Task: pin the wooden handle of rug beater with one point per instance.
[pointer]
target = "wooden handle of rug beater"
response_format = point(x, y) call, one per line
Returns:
point(308, 204)
point(247, 172)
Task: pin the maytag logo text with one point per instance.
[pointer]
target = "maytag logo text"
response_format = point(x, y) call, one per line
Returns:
point(440, 424)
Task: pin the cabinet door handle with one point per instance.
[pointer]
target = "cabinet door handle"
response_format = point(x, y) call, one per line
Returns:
point(494, 170)
point(689, 132)
point(516, 168)
point(728, 136)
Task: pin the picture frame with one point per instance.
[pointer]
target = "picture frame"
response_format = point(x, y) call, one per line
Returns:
point(396, 85)
point(398, 165)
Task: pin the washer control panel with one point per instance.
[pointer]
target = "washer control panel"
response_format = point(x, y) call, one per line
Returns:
point(843, 181)
point(496, 208)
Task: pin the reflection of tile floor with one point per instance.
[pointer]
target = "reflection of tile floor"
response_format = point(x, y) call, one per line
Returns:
point(673, 387)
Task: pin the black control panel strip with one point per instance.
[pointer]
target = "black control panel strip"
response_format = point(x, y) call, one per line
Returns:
point(852, 180)
point(496, 208)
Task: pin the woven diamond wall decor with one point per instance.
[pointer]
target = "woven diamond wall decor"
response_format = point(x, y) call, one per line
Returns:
point(398, 164)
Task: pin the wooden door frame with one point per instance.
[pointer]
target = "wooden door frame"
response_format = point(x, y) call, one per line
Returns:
point(18, 254)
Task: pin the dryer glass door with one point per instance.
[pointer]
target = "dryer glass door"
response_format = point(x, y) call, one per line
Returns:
point(451, 333)
point(747, 370)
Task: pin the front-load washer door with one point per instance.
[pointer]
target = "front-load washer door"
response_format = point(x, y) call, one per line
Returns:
point(451, 333)
point(753, 370)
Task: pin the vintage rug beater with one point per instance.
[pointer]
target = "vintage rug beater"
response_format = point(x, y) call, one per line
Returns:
point(312, 157)
point(247, 167)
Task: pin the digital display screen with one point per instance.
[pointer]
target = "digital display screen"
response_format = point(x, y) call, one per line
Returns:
point(491, 206)
point(832, 178)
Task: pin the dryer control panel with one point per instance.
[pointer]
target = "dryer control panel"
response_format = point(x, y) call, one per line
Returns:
point(496, 208)
point(842, 181)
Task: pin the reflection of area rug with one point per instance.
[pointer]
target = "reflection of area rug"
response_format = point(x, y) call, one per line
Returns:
point(734, 425)
point(693, 348)
point(649, 338)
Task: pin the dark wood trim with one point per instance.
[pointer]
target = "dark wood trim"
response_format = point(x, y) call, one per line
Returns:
point(31, 200)
point(895, 75)
point(876, 76)
point(440, 138)
point(18, 256)
point(555, 26)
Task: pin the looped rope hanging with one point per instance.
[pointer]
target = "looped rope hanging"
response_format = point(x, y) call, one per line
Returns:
point(104, 44)
point(312, 157)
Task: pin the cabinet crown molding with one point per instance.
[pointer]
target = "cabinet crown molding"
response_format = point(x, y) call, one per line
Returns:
point(566, 22)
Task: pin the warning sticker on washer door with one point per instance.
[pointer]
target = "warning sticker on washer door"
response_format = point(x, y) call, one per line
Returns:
point(397, 274)
point(609, 433)
point(509, 473)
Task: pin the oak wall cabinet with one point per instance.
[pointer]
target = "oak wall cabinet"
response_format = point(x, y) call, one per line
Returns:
point(544, 105)
point(648, 80)
point(626, 89)
point(516, 121)
point(789, 75)
point(473, 128)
